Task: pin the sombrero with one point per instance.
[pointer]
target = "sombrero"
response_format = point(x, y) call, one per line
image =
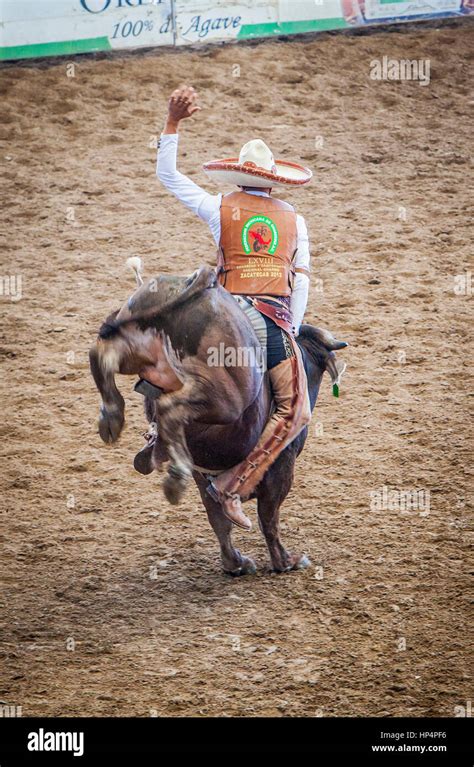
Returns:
point(257, 167)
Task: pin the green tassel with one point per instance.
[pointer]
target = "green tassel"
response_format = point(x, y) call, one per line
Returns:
point(335, 390)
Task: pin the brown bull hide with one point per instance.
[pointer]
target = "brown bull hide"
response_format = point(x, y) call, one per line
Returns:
point(216, 415)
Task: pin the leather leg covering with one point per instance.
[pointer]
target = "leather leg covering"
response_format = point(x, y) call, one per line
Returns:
point(291, 415)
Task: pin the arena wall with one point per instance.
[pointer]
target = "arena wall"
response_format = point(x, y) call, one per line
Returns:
point(39, 28)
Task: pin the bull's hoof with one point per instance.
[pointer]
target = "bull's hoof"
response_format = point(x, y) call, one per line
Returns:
point(302, 563)
point(247, 567)
point(110, 425)
point(294, 562)
point(174, 486)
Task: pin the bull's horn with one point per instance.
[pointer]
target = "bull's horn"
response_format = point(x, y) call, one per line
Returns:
point(135, 263)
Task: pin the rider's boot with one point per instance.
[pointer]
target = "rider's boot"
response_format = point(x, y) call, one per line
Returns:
point(232, 508)
point(143, 461)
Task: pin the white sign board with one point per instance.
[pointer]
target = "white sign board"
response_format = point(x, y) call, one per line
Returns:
point(211, 20)
point(33, 28)
point(36, 28)
point(387, 9)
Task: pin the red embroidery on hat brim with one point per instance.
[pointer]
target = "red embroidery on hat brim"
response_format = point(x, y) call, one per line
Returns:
point(232, 164)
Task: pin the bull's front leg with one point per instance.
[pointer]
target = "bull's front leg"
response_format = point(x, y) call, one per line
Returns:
point(271, 493)
point(233, 562)
point(111, 418)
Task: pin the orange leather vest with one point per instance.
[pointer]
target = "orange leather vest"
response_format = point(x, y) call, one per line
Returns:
point(257, 246)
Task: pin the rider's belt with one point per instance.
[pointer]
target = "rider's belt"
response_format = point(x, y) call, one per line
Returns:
point(277, 310)
point(257, 246)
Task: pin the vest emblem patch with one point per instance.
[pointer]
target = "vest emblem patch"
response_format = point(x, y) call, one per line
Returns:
point(260, 235)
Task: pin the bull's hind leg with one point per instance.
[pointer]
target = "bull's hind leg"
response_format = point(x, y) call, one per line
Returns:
point(181, 464)
point(271, 493)
point(174, 410)
point(233, 561)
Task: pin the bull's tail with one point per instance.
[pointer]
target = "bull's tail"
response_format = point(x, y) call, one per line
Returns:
point(103, 364)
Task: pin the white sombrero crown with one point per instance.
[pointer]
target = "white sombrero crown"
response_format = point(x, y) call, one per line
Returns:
point(257, 153)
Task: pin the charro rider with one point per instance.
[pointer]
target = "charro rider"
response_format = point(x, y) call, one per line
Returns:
point(264, 262)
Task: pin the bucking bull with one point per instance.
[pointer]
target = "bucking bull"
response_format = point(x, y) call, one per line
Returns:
point(209, 416)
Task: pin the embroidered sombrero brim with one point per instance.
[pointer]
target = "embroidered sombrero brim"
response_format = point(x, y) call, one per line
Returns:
point(230, 171)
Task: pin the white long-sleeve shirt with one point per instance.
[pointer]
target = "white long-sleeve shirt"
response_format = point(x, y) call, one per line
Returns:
point(208, 207)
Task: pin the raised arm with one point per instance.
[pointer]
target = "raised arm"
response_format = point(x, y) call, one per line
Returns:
point(299, 297)
point(182, 105)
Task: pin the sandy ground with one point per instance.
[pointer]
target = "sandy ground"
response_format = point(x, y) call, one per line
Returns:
point(114, 602)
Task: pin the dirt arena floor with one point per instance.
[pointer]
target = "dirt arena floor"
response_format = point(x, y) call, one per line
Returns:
point(114, 601)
